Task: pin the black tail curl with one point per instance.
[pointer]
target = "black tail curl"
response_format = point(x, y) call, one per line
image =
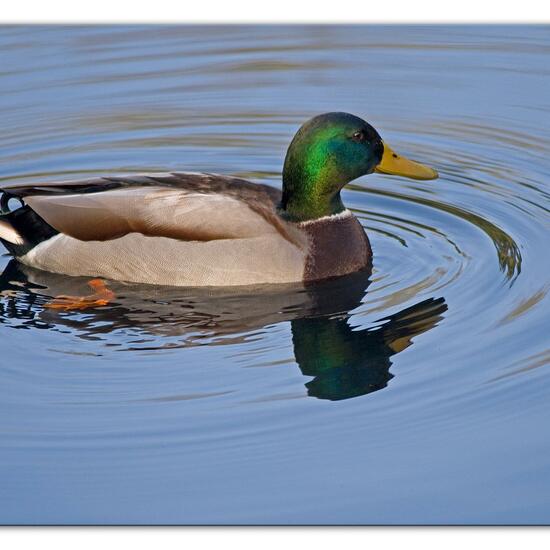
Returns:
point(32, 228)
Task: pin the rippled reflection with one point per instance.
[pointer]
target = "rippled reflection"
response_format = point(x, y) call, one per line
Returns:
point(343, 361)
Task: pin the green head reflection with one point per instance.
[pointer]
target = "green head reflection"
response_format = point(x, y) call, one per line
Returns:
point(347, 363)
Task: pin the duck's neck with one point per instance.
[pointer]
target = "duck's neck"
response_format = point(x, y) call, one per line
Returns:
point(309, 194)
point(300, 208)
point(311, 187)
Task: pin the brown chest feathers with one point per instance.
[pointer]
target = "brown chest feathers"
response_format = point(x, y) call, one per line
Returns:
point(337, 246)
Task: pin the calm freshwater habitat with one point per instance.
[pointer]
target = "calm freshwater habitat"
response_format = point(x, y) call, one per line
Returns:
point(417, 393)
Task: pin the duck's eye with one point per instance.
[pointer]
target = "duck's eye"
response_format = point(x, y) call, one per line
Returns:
point(359, 136)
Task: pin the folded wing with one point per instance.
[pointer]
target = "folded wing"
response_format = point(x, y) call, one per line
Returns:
point(180, 206)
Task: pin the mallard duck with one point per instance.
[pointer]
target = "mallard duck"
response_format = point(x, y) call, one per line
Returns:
point(192, 229)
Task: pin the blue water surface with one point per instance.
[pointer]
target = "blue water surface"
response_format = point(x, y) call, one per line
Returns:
point(420, 394)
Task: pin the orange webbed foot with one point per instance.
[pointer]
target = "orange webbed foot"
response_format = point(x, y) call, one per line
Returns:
point(101, 296)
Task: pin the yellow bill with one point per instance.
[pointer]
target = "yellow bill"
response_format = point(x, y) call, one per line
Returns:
point(396, 165)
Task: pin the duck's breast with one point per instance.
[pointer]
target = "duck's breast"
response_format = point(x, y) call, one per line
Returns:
point(338, 245)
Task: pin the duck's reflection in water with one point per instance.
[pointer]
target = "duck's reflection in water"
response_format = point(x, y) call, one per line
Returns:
point(344, 362)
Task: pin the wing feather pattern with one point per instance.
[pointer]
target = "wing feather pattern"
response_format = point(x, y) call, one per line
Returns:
point(189, 207)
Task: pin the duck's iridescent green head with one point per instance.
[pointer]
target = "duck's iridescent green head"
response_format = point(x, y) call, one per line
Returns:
point(328, 152)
